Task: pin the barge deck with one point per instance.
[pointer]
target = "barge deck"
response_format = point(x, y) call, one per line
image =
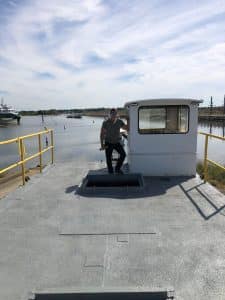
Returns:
point(167, 236)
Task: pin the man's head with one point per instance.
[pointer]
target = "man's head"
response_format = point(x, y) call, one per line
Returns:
point(113, 114)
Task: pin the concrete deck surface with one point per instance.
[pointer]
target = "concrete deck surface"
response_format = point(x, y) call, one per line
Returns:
point(171, 235)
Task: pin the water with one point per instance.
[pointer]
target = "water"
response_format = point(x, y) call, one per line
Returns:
point(216, 148)
point(80, 139)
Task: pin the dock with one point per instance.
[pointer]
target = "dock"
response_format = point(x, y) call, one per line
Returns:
point(168, 236)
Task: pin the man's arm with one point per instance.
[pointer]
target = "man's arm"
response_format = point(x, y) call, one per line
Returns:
point(102, 137)
point(126, 126)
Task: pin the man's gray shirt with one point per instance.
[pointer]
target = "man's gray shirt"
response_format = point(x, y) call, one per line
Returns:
point(112, 134)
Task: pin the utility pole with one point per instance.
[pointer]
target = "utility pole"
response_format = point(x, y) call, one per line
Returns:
point(211, 105)
point(224, 114)
point(224, 105)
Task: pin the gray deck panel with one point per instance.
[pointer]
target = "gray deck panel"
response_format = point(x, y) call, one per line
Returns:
point(186, 252)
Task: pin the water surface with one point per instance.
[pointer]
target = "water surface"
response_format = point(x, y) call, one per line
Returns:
point(74, 138)
point(78, 139)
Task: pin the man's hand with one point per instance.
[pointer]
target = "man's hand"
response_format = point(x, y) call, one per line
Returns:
point(103, 147)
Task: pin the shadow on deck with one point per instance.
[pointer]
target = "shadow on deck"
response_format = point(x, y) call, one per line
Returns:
point(193, 188)
point(210, 201)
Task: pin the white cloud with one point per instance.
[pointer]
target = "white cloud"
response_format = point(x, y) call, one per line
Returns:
point(100, 54)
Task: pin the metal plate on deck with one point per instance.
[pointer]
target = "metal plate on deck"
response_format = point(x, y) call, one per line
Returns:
point(96, 215)
point(100, 225)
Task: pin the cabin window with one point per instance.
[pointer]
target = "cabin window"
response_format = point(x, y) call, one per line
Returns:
point(163, 119)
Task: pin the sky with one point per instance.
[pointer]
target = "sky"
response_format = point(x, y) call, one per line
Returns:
point(94, 53)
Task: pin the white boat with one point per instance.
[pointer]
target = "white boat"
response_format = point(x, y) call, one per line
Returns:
point(75, 116)
point(8, 114)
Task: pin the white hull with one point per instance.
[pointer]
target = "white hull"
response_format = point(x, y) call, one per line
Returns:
point(7, 120)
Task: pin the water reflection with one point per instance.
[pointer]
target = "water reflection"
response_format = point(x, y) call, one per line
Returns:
point(214, 127)
point(216, 150)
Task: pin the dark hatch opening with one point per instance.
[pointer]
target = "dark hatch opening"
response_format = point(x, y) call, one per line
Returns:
point(126, 180)
point(92, 183)
point(159, 295)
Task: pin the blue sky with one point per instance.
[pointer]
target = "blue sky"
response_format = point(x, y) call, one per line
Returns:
point(90, 53)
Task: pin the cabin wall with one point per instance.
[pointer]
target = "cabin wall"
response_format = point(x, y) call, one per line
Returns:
point(163, 154)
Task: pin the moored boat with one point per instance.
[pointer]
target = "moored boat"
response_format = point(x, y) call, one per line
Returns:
point(8, 114)
point(74, 116)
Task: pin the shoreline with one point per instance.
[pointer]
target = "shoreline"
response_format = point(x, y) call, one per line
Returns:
point(122, 114)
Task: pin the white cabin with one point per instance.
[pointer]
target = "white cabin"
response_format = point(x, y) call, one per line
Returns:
point(163, 137)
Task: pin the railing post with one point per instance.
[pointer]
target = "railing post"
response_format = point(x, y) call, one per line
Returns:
point(52, 144)
point(22, 152)
point(21, 147)
point(205, 159)
point(40, 153)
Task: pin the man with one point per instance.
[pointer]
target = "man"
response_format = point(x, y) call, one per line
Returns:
point(110, 139)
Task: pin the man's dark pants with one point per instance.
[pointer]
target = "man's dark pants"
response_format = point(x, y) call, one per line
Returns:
point(108, 152)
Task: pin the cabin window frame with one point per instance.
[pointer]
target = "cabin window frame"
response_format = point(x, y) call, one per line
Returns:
point(160, 131)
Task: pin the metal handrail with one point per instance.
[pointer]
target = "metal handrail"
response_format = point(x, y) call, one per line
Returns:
point(206, 160)
point(21, 150)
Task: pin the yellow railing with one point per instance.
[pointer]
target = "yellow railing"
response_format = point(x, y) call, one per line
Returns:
point(21, 150)
point(206, 160)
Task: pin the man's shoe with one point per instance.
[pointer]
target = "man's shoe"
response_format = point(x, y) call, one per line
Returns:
point(110, 172)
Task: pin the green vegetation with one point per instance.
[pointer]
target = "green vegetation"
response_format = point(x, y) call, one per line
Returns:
point(93, 112)
point(103, 111)
point(216, 110)
point(39, 112)
point(216, 176)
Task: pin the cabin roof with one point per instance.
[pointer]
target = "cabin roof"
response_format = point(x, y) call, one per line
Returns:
point(163, 101)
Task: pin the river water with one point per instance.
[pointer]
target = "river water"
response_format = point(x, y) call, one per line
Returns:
point(78, 139)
